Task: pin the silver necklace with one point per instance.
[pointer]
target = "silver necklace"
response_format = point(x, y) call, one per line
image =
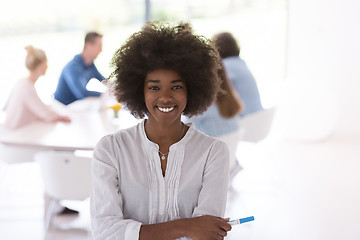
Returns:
point(163, 155)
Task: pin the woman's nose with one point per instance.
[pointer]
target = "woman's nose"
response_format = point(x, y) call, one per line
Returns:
point(165, 95)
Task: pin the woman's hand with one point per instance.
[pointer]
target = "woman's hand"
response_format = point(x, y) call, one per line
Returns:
point(208, 227)
point(65, 119)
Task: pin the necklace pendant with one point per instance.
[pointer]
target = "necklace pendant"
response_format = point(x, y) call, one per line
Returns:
point(163, 157)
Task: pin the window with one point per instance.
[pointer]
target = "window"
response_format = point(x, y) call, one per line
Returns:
point(58, 27)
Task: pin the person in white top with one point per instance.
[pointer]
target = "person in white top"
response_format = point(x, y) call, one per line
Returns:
point(162, 179)
point(24, 105)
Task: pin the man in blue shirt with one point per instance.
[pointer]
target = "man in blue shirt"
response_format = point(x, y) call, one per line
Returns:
point(78, 72)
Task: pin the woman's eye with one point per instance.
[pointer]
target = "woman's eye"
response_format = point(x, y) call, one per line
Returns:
point(177, 87)
point(153, 88)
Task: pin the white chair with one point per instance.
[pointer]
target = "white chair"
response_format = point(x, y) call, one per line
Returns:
point(257, 125)
point(232, 140)
point(66, 177)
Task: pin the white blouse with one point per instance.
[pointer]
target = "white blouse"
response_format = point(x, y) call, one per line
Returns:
point(128, 188)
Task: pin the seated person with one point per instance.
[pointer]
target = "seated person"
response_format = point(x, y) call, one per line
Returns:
point(220, 119)
point(78, 72)
point(24, 105)
point(239, 74)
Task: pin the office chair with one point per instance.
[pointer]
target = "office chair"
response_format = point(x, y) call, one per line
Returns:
point(257, 125)
point(232, 140)
point(66, 177)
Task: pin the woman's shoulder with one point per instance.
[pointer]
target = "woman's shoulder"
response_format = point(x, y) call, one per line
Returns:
point(23, 82)
point(21, 90)
point(207, 146)
point(124, 135)
point(199, 137)
point(111, 146)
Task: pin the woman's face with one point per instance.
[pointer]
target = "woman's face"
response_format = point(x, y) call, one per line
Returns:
point(165, 96)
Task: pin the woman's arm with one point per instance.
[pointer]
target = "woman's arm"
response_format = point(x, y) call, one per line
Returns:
point(213, 193)
point(40, 109)
point(198, 228)
point(106, 204)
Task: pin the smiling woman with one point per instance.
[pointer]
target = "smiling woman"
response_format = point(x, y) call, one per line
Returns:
point(177, 176)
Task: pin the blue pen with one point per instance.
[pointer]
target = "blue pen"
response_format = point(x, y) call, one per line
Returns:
point(241, 220)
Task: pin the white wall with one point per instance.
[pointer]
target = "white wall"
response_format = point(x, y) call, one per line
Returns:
point(322, 93)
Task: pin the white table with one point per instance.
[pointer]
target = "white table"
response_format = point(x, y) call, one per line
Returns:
point(84, 131)
point(89, 123)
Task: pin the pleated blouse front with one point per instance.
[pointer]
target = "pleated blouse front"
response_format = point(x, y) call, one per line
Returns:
point(129, 188)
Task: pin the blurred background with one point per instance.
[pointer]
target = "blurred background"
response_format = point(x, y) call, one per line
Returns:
point(301, 54)
point(304, 57)
point(59, 27)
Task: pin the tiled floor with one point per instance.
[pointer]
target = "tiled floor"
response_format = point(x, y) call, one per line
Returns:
point(295, 191)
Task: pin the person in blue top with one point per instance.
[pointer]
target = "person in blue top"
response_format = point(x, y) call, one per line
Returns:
point(78, 72)
point(237, 71)
point(220, 118)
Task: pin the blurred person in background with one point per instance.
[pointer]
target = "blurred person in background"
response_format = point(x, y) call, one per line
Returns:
point(24, 105)
point(221, 120)
point(78, 72)
point(239, 74)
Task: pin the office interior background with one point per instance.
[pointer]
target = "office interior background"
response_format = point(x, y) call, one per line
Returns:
point(303, 54)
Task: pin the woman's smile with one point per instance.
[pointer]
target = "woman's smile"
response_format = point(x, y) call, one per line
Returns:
point(166, 109)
